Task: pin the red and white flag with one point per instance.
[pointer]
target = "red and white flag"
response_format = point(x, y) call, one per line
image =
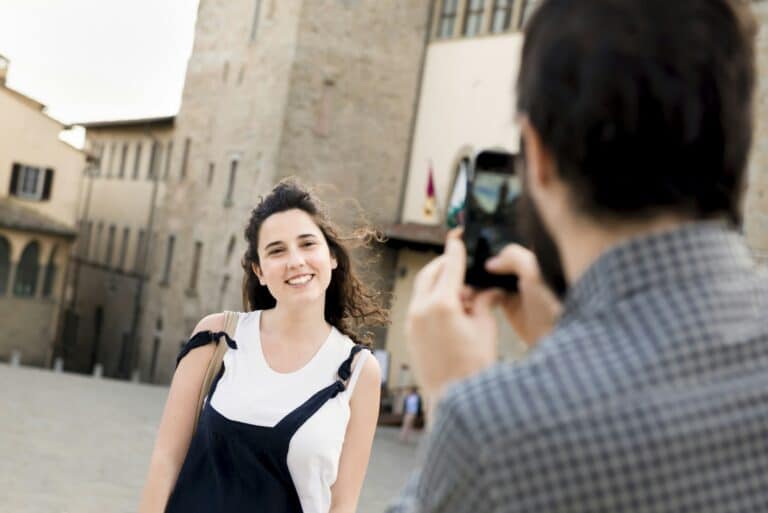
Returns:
point(430, 203)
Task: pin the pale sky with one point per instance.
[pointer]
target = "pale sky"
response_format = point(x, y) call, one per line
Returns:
point(91, 60)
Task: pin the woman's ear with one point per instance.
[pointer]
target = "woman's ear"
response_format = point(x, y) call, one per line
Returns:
point(257, 271)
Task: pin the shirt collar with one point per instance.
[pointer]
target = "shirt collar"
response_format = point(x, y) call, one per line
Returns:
point(698, 249)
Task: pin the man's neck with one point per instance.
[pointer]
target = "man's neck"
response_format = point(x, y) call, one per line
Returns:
point(583, 240)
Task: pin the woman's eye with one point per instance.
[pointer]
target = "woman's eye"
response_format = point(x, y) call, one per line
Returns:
point(275, 252)
point(307, 244)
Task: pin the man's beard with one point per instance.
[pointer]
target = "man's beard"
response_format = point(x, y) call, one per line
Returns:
point(536, 238)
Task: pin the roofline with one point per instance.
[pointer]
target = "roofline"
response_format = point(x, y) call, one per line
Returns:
point(34, 103)
point(64, 232)
point(128, 123)
point(416, 236)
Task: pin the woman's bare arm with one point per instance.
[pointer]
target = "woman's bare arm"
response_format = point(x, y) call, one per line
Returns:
point(177, 423)
point(364, 414)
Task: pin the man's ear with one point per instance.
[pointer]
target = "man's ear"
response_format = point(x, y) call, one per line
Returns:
point(540, 169)
point(257, 271)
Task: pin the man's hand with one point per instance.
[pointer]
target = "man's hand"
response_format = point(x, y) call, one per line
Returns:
point(451, 331)
point(534, 310)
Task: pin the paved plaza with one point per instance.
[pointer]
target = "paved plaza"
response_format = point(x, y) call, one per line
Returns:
point(76, 444)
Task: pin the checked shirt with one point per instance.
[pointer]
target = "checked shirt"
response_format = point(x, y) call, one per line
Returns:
point(651, 395)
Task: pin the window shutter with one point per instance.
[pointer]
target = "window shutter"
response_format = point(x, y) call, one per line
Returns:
point(15, 179)
point(48, 184)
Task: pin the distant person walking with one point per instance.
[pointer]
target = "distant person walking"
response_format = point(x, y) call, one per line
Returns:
point(411, 410)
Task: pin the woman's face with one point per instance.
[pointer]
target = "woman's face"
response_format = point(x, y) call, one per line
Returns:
point(295, 262)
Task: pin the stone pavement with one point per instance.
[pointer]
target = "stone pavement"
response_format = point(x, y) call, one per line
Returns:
point(76, 444)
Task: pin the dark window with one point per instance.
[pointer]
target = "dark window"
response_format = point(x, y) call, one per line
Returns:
point(231, 186)
point(153, 364)
point(50, 274)
point(211, 170)
point(502, 15)
point(154, 163)
point(137, 162)
point(447, 22)
point(97, 242)
point(230, 249)
point(98, 321)
point(47, 184)
point(168, 155)
point(225, 72)
point(168, 260)
point(5, 264)
point(185, 158)
point(255, 24)
point(111, 160)
point(27, 271)
point(123, 158)
point(195, 266)
point(139, 252)
point(31, 182)
point(110, 246)
point(85, 239)
point(473, 18)
point(223, 290)
point(124, 247)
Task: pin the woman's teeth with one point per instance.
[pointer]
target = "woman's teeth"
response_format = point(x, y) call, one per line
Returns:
point(300, 280)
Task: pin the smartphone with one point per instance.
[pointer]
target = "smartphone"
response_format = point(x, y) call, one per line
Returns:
point(493, 190)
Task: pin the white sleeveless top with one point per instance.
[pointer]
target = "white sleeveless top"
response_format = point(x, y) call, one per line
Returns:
point(250, 391)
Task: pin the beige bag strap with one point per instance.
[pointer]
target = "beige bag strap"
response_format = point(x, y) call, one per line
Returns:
point(214, 366)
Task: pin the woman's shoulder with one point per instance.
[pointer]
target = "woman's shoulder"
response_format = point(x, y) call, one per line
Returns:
point(215, 322)
point(211, 322)
point(343, 341)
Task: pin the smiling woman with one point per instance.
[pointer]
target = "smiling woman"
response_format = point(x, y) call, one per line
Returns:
point(289, 421)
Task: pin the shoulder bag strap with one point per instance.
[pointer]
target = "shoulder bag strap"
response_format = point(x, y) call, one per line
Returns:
point(214, 366)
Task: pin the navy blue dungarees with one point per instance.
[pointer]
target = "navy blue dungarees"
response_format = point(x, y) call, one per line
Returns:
point(234, 467)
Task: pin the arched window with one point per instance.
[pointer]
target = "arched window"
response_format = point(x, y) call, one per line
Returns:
point(455, 214)
point(5, 264)
point(50, 274)
point(27, 271)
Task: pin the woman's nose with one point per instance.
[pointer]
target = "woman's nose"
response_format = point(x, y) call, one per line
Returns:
point(295, 259)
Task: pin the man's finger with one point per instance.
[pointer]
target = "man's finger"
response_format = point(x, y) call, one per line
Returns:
point(513, 259)
point(487, 299)
point(426, 278)
point(452, 278)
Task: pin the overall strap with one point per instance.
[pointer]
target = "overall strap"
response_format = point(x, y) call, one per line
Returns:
point(294, 420)
point(202, 338)
point(345, 370)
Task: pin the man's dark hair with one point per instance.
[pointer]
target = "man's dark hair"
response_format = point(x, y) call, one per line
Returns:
point(646, 105)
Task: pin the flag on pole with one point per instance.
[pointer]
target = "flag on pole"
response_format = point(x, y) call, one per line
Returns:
point(430, 203)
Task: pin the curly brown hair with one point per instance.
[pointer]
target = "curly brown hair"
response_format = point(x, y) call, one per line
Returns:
point(350, 305)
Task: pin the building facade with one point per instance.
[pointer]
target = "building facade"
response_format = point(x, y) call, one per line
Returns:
point(40, 181)
point(376, 102)
point(122, 195)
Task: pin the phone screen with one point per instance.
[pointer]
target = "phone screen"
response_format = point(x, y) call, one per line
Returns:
point(493, 189)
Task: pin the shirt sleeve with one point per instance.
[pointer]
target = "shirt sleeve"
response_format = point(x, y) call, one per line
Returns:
point(450, 480)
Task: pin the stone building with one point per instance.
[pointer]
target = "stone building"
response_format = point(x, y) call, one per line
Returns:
point(320, 90)
point(122, 195)
point(40, 180)
point(370, 99)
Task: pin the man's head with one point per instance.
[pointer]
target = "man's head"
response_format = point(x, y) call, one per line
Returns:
point(635, 109)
